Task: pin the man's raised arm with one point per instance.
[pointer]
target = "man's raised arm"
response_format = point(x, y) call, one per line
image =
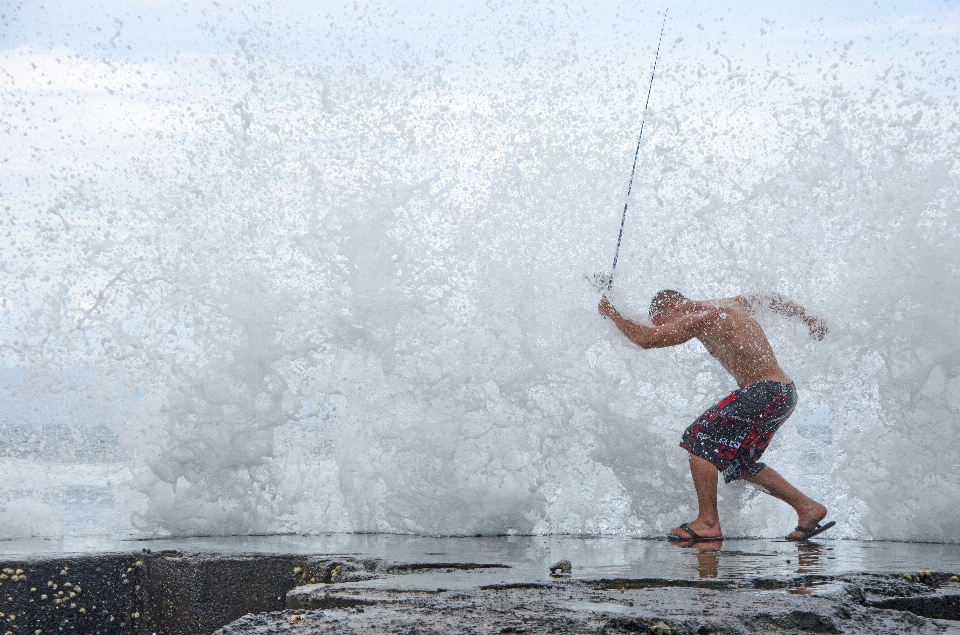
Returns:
point(779, 303)
point(676, 332)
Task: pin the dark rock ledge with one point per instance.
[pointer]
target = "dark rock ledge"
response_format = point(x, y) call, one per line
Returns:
point(861, 603)
point(178, 593)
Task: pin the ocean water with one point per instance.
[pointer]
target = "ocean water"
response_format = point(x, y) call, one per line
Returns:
point(302, 268)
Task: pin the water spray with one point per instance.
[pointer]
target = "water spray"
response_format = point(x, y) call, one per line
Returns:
point(604, 281)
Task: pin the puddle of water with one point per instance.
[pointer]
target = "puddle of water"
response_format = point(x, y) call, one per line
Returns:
point(529, 557)
point(816, 589)
point(599, 607)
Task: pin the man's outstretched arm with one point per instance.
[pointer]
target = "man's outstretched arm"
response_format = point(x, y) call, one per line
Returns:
point(781, 304)
point(676, 332)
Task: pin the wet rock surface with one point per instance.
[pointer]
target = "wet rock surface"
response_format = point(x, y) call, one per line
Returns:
point(346, 584)
point(860, 603)
point(173, 592)
point(169, 592)
point(71, 595)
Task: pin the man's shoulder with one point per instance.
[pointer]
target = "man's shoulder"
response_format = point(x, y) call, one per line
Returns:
point(741, 302)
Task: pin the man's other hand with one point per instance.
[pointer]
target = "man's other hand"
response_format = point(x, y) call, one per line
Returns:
point(818, 327)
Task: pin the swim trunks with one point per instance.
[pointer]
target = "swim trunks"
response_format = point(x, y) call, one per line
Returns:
point(734, 433)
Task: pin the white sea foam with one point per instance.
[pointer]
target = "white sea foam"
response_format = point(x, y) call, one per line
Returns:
point(271, 284)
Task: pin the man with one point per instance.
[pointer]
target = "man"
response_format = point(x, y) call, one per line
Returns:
point(731, 436)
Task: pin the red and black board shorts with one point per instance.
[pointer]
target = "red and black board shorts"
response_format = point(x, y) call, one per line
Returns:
point(734, 433)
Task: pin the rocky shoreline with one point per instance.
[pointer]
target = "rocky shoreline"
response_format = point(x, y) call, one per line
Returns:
point(183, 592)
point(860, 603)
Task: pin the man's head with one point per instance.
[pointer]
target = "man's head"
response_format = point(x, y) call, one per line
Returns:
point(666, 306)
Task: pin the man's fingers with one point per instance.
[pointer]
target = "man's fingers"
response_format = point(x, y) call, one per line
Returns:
point(606, 308)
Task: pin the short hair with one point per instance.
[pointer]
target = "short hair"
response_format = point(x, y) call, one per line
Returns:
point(662, 297)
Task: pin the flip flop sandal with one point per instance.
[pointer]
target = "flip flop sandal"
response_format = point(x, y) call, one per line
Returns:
point(694, 536)
point(810, 532)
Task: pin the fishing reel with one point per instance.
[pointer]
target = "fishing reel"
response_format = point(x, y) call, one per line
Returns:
point(602, 282)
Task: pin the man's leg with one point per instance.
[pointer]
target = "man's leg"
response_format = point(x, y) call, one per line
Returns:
point(809, 511)
point(705, 477)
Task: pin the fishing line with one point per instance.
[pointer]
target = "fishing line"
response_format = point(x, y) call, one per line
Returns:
point(604, 281)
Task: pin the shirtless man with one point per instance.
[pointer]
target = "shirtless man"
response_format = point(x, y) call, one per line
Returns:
point(731, 436)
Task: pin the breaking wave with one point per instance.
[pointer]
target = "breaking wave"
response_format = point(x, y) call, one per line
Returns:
point(260, 289)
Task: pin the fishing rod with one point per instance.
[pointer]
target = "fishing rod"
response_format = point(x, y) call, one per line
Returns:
point(604, 281)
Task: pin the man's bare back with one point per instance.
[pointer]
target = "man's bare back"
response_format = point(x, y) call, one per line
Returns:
point(735, 339)
point(732, 435)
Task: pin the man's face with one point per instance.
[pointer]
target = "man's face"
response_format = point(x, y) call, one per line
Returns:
point(668, 312)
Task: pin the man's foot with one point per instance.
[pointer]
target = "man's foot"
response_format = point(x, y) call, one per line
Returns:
point(696, 530)
point(702, 545)
point(809, 516)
